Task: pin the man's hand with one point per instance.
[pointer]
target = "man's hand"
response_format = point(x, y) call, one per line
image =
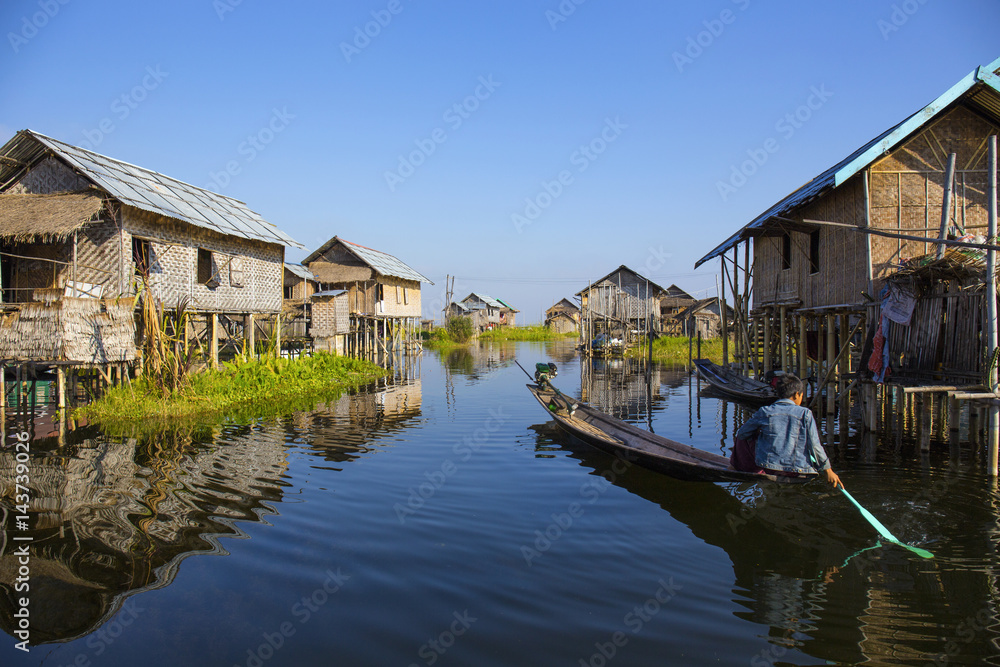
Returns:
point(833, 478)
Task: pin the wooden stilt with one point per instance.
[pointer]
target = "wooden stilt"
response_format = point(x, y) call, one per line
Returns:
point(783, 337)
point(803, 359)
point(831, 393)
point(926, 410)
point(766, 343)
point(60, 388)
point(250, 334)
point(213, 340)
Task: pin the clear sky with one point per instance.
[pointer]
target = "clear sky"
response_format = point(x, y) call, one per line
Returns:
point(524, 146)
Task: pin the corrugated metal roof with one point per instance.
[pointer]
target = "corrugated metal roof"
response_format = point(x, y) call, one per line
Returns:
point(300, 271)
point(150, 191)
point(981, 87)
point(653, 287)
point(382, 262)
point(485, 299)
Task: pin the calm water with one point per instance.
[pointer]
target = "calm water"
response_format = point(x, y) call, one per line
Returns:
point(444, 521)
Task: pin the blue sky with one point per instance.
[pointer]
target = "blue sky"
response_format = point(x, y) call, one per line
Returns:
point(525, 147)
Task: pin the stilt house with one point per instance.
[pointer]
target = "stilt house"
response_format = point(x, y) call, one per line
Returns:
point(489, 312)
point(622, 304)
point(383, 293)
point(563, 317)
point(671, 304)
point(81, 234)
point(820, 257)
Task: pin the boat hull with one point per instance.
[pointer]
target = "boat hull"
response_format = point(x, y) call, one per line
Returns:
point(642, 448)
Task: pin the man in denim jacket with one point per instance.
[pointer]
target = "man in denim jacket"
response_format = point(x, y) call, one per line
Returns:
point(786, 434)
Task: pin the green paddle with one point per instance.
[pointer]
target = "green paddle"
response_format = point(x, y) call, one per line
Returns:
point(883, 531)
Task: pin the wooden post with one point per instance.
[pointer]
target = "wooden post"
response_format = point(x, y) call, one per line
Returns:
point(926, 410)
point(60, 388)
point(250, 335)
point(783, 338)
point(802, 346)
point(766, 343)
point(993, 438)
point(213, 338)
point(277, 335)
point(831, 392)
point(949, 186)
point(722, 311)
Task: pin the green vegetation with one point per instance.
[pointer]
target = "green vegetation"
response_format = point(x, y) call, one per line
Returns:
point(438, 339)
point(242, 389)
point(675, 348)
point(460, 329)
point(534, 332)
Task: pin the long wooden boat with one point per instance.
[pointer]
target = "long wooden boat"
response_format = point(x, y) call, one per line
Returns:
point(733, 384)
point(643, 448)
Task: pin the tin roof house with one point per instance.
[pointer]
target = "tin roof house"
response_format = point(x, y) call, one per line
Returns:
point(81, 233)
point(383, 294)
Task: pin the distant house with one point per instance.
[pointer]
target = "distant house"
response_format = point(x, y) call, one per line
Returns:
point(701, 317)
point(299, 283)
point(75, 225)
point(488, 312)
point(563, 317)
point(621, 304)
point(383, 293)
point(673, 302)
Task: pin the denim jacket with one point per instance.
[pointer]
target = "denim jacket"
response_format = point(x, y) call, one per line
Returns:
point(787, 438)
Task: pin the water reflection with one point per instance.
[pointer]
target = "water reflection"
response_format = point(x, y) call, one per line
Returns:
point(114, 517)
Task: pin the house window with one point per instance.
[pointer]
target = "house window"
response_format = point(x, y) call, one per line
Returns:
point(399, 296)
point(140, 256)
point(289, 291)
point(814, 251)
point(206, 273)
point(786, 251)
point(406, 296)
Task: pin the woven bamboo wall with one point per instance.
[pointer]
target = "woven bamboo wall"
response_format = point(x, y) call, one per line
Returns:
point(843, 272)
point(82, 330)
point(49, 175)
point(401, 298)
point(249, 273)
point(907, 186)
point(330, 316)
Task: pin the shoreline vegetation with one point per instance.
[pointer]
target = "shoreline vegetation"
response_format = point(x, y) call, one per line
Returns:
point(456, 335)
point(240, 389)
point(675, 349)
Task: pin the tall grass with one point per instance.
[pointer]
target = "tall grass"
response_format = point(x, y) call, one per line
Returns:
point(246, 388)
point(533, 332)
point(675, 349)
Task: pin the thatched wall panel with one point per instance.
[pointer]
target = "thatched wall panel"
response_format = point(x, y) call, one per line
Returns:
point(90, 331)
point(328, 272)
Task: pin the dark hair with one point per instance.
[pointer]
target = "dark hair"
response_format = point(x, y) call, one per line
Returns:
point(788, 385)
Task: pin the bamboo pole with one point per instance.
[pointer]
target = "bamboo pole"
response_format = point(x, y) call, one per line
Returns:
point(213, 337)
point(767, 342)
point(831, 361)
point(907, 237)
point(722, 311)
point(802, 345)
point(991, 303)
point(783, 338)
point(949, 186)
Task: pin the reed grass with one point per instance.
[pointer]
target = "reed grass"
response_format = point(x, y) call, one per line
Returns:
point(241, 389)
point(675, 349)
point(533, 332)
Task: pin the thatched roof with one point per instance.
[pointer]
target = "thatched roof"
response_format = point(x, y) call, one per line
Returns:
point(46, 217)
